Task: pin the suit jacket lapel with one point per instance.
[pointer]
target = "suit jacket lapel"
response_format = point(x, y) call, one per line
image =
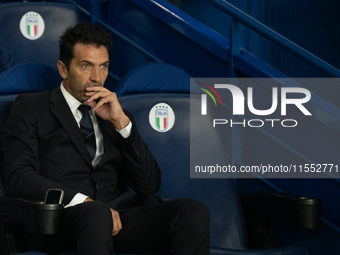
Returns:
point(61, 110)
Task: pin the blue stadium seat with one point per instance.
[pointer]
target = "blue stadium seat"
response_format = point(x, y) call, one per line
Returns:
point(6, 60)
point(165, 78)
point(28, 77)
point(141, 90)
point(31, 30)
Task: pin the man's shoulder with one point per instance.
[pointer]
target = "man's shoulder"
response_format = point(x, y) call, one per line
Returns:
point(36, 98)
point(35, 95)
point(32, 102)
point(27, 108)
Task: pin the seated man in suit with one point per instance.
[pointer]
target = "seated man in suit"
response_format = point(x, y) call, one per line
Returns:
point(79, 139)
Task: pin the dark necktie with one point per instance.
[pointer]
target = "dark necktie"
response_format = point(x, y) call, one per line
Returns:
point(87, 130)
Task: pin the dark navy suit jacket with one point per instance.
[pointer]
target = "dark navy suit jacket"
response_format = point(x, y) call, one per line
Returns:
point(43, 148)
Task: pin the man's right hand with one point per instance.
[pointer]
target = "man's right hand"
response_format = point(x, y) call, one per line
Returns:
point(88, 199)
point(117, 224)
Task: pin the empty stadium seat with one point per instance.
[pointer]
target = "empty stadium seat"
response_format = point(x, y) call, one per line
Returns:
point(28, 77)
point(173, 80)
point(31, 30)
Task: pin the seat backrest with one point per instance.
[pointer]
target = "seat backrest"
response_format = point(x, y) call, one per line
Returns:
point(172, 142)
point(6, 60)
point(28, 77)
point(31, 30)
point(154, 78)
point(23, 78)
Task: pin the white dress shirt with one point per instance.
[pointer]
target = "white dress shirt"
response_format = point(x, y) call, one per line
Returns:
point(74, 104)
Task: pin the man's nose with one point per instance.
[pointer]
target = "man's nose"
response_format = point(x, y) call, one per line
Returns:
point(95, 75)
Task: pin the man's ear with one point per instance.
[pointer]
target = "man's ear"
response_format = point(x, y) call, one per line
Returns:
point(62, 69)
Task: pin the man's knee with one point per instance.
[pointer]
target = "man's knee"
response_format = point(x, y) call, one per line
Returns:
point(194, 215)
point(194, 222)
point(95, 216)
point(197, 210)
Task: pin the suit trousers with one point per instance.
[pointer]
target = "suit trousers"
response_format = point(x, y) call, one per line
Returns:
point(180, 226)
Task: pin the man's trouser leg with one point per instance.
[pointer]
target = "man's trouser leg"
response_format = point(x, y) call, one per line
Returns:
point(181, 225)
point(87, 228)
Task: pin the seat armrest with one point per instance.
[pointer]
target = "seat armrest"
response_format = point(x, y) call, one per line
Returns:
point(260, 208)
point(301, 212)
point(279, 251)
point(38, 217)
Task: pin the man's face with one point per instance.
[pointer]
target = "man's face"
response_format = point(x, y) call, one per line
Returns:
point(88, 68)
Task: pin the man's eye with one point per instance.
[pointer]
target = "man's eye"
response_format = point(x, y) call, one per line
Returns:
point(104, 66)
point(86, 66)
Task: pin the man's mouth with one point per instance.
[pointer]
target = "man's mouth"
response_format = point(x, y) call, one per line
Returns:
point(93, 84)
